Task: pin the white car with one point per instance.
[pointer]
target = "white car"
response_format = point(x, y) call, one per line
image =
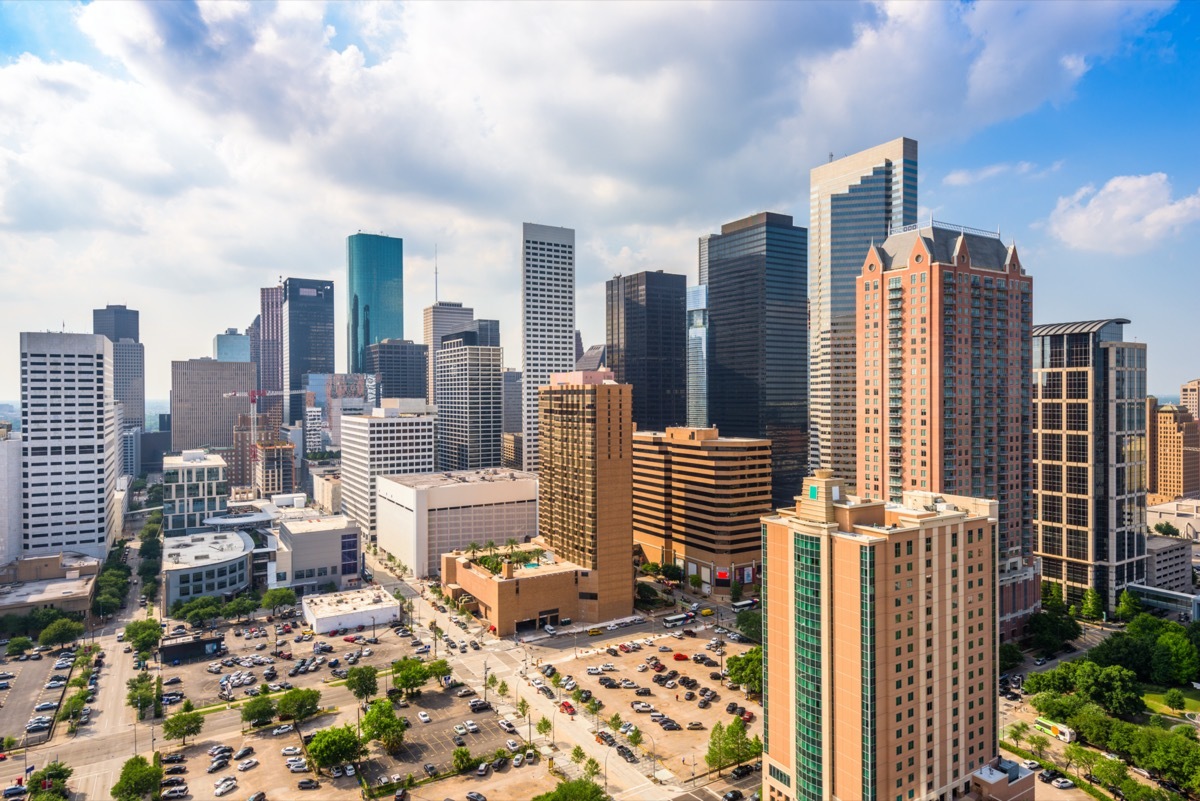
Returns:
point(612, 627)
point(569, 685)
point(1031, 764)
point(460, 729)
point(608, 666)
point(299, 768)
point(518, 759)
point(336, 771)
point(508, 726)
point(424, 717)
point(642, 668)
point(246, 764)
point(225, 789)
point(295, 761)
point(286, 728)
point(594, 671)
point(513, 745)
point(1063, 784)
point(349, 770)
point(291, 750)
point(471, 726)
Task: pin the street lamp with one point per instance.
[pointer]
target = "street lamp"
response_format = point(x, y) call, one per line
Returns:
point(606, 753)
point(485, 677)
point(654, 743)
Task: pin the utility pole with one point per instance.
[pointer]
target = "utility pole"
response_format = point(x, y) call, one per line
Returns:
point(485, 676)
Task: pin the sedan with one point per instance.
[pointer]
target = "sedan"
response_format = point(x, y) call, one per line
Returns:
point(474, 796)
point(424, 717)
point(244, 752)
point(1063, 784)
point(219, 764)
point(290, 750)
point(174, 781)
point(513, 745)
point(225, 789)
point(173, 680)
point(460, 729)
point(247, 764)
point(45, 706)
point(284, 729)
point(309, 784)
point(175, 770)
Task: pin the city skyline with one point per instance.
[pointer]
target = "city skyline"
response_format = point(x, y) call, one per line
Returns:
point(218, 193)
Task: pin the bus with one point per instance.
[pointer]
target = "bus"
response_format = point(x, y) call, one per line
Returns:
point(677, 620)
point(1058, 730)
point(742, 606)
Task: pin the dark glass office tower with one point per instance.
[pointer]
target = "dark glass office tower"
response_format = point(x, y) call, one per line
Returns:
point(758, 341)
point(402, 366)
point(375, 294)
point(307, 337)
point(646, 345)
point(116, 322)
point(486, 333)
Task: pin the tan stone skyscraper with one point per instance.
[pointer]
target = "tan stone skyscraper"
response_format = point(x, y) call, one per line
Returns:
point(1189, 397)
point(585, 488)
point(1177, 455)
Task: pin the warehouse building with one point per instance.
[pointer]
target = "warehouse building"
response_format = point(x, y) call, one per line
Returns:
point(367, 607)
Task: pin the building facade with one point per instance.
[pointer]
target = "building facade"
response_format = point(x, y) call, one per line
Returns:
point(1189, 397)
point(547, 321)
point(195, 488)
point(585, 485)
point(402, 367)
point(697, 500)
point(231, 346)
point(697, 355)
point(10, 495)
point(645, 318)
point(442, 318)
point(758, 341)
point(1176, 454)
point(468, 385)
point(203, 413)
point(70, 449)
point(374, 294)
point(1183, 514)
point(1169, 564)
point(270, 351)
point(314, 552)
point(121, 326)
point(879, 645)
point(116, 322)
point(396, 438)
point(510, 390)
point(274, 469)
point(1089, 401)
point(307, 337)
point(215, 564)
point(945, 402)
point(247, 432)
point(853, 202)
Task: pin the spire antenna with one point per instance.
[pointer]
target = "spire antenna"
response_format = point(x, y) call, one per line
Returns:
point(435, 275)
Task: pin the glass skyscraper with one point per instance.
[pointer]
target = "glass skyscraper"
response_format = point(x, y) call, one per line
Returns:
point(375, 294)
point(697, 353)
point(646, 346)
point(307, 337)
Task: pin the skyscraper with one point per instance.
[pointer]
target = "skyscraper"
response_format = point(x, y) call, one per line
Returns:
point(758, 341)
point(402, 367)
point(585, 485)
point(511, 391)
point(120, 326)
point(944, 365)
point(307, 337)
point(697, 354)
point(69, 434)
point(442, 318)
point(231, 346)
point(646, 346)
point(853, 203)
point(374, 294)
point(270, 361)
point(1189, 397)
point(1089, 429)
point(548, 341)
point(1176, 454)
point(116, 322)
point(468, 387)
point(202, 414)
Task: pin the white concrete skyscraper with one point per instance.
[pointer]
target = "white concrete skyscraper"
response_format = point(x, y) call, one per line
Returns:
point(443, 317)
point(547, 319)
point(70, 451)
point(853, 203)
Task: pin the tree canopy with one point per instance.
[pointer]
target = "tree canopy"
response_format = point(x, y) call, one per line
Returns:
point(138, 780)
point(260, 710)
point(61, 632)
point(362, 681)
point(278, 598)
point(576, 790)
point(298, 704)
point(747, 669)
point(143, 635)
point(183, 724)
point(380, 723)
point(57, 774)
point(335, 746)
point(749, 622)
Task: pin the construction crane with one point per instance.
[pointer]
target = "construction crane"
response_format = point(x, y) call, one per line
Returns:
point(254, 395)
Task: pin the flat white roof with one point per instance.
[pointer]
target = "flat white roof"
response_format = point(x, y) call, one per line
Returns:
point(322, 523)
point(212, 547)
point(49, 591)
point(363, 600)
point(492, 475)
point(188, 459)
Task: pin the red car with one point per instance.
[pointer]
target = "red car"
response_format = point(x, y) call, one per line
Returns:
point(680, 657)
point(658, 667)
point(349, 639)
point(623, 648)
point(747, 716)
point(567, 707)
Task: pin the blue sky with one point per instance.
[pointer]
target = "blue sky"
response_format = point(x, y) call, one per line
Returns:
point(175, 156)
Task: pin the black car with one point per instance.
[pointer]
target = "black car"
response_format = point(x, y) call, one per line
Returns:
point(642, 691)
point(671, 725)
point(174, 758)
point(175, 770)
point(459, 741)
point(218, 764)
point(174, 781)
point(244, 752)
point(499, 762)
point(307, 738)
point(585, 695)
point(430, 769)
point(1048, 776)
point(741, 771)
point(308, 784)
point(731, 707)
point(173, 680)
point(612, 651)
point(733, 795)
point(704, 704)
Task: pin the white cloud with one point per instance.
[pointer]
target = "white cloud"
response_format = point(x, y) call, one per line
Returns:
point(1129, 214)
point(225, 144)
point(967, 177)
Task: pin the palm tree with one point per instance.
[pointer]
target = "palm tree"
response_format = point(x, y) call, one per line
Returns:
point(472, 549)
point(490, 547)
point(511, 544)
point(537, 554)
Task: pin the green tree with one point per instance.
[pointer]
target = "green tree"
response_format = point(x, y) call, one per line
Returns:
point(737, 746)
point(143, 635)
point(577, 790)
point(1110, 772)
point(335, 746)
point(523, 708)
point(105, 604)
point(462, 760)
point(1166, 529)
point(615, 722)
point(749, 622)
point(1128, 606)
point(577, 754)
point(380, 723)
point(492, 681)
point(438, 668)
point(362, 681)
point(61, 632)
point(593, 706)
point(645, 592)
point(1175, 660)
point(716, 756)
point(544, 726)
point(735, 591)
point(299, 704)
point(1038, 743)
point(577, 695)
point(240, 607)
point(1052, 598)
point(591, 768)
point(140, 693)
point(1017, 732)
point(1093, 605)
point(17, 646)
point(747, 669)
point(56, 773)
point(503, 689)
point(1082, 756)
point(258, 710)
point(473, 549)
point(138, 780)
point(278, 598)
point(183, 724)
point(695, 581)
point(672, 572)
point(1174, 699)
point(1010, 657)
point(409, 674)
point(635, 737)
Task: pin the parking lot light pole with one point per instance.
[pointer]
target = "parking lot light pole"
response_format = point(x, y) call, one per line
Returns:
point(606, 753)
point(485, 677)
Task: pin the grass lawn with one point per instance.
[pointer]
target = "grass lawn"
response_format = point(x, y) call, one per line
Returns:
point(1154, 699)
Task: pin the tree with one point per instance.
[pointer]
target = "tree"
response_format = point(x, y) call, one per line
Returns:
point(490, 547)
point(1174, 699)
point(462, 760)
point(409, 674)
point(362, 681)
point(138, 779)
point(17, 646)
point(577, 790)
point(503, 689)
point(278, 598)
point(492, 681)
point(61, 632)
point(239, 607)
point(1017, 732)
point(1052, 598)
point(1166, 529)
point(511, 545)
point(105, 604)
point(1110, 772)
point(537, 554)
point(1085, 758)
point(749, 622)
point(380, 723)
point(635, 737)
point(544, 726)
point(1175, 660)
point(472, 549)
point(1038, 743)
point(1093, 605)
point(577, 754)
point(672, 572)
point(715, 757)
point(1010, 657)
point(438, 668)
point(695, 581)
point(523, 708)
point(593, 706)
point(183, 724)
point(747, 669)
point(299, 704)
point(737, 746)
point(258, 710)
point(645, 592)
point(56, 773)
point(615, 722)
point(143, 635)
point(1128, 606)
point(735, 591)
point(591, 768)
point(335, 746)
point(140, 694)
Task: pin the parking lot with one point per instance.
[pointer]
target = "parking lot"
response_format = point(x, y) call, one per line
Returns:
point(504, 785)
point(26, 690)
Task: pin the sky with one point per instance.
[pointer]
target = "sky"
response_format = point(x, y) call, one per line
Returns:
point(175, 157)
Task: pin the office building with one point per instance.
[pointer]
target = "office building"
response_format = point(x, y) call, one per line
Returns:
point(853, 202)
point(1183, 514)
point(314, 430)
point(468, 385)
point(585, 486)
point(328, 387)
point(327, 491)
point(374, 294)
point(10, 495)
point(1169, 564)
point(1175, 461)
point(340, 407)
point(231, 346)
point(63, 581)
point(442, 318)
point(195, 488)
point(697, 354)
point(395, 438)
point(594, 358)
point(70, 445)
point(579, 350)
point(154, 446)
point(203, 414)
point(1189, 397)
point(270, 356)
point(116, 322)
point(512, 451)
point(402, 367)
point(215, 564)
point(485, 333)
point(274, 468)
point(944, 354)
point(1089, 428)
point(121, 326)
point(758, 341)
point(307, 337)
point(510, 389)
point(254, 334)
point(247, 432)
point(549, 342)
point(131, 452)
point(697, 500)
point(422, 516)
point(702, 258)
point(875, 688)
point(318, 554)
point(646, 345)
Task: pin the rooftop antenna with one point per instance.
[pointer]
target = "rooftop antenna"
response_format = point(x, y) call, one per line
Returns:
point(435, 271)
point(830, 156)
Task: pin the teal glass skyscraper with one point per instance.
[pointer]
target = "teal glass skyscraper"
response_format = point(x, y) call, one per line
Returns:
point(375, 294)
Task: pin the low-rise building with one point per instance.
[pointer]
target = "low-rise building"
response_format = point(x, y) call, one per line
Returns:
point(327, 490)
point(62, 581)
point(312, 552)
point(370, 606)
point(214, 563)
point(422, 516)
point(1183, 514)
point(1169, 563)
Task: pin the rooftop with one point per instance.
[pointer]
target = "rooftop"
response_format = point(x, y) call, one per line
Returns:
point(1084, 327)
point(941, 240)
point(1156, 543)
point(193, 459)
point(197, 549)
point(321, 523)
point(45, 592)
point(363, 600)
point(430, 480)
